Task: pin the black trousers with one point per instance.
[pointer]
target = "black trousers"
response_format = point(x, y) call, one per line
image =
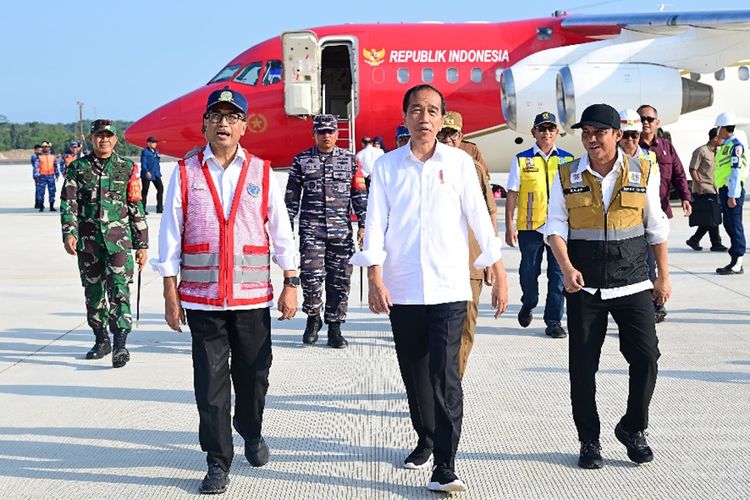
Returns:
point(428, 338)
point(587, 326)
point(245, 337)
point(159, 193)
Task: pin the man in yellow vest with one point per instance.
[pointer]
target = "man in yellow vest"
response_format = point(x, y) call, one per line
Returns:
point(731, 170)
point(604, 212)
point(529, 182)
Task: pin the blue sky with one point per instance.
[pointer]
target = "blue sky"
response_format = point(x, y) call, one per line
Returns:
point(123, 60)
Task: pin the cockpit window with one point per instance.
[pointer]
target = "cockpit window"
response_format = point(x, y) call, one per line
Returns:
point(272, 74)
point(225, 74)
point(249, 74)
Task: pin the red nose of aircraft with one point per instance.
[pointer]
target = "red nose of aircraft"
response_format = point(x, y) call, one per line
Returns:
point(177, 125)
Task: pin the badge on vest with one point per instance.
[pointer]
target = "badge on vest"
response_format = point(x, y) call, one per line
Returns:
point(198, 186)
point(576, 177)
point(253, 190)
point(634, 177)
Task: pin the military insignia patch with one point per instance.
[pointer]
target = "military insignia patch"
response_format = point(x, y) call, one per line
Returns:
point(225, 96)
point(634, 177)
point(576, 177)
point(253, 190)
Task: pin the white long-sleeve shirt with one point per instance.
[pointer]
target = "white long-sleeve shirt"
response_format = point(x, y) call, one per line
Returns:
point(417, 215)
point(225, 180)
point(367, 158)
point(655, 220)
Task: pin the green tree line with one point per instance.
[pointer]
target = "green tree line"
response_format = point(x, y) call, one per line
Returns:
point(26, 135)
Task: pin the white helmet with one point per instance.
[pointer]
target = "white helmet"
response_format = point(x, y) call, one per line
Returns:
point(630, 120)
point(725, 119)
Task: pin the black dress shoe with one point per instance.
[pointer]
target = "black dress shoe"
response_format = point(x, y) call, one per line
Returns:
point(694, 245)
point(660, 314)
point(718, 248)
point(419, 458)
point(556, 331)
point(590, 456)
point(256, 452)
point(638, 449)
point(310, 336)
point(525, 316)
point(216, 480)
point(335, 339)
point(731, 268)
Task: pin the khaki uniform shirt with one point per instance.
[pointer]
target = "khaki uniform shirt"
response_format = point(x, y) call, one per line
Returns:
point(703, 163)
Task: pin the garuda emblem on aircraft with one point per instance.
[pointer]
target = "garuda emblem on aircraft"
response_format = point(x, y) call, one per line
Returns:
point(374, 57)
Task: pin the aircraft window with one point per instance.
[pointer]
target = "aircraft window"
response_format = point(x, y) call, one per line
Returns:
point(498, 74)
point(403, 75)
point(451, 74)
point(272, 74)
point(249, 74)
point(225, 74)
point(744, 73)
point(544, 33)
point(476, 75)
point(427, 75)
point(719, 75)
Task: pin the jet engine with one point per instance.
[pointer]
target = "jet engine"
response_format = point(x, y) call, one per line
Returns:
point(627, 86)
point(525, 92)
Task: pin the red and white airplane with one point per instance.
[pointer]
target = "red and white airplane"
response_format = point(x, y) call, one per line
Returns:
point(498, 75)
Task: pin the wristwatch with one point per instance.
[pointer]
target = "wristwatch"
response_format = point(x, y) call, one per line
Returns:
point(292, 281)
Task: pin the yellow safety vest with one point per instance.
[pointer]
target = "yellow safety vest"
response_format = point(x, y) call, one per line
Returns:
point(723, 161)
point(536, 177)
point(607, 246)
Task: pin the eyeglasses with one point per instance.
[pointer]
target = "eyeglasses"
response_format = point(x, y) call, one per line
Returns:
point(216, 117)
point(548, 128)
point(648, 119)
point(447, 134)
point(632, 135)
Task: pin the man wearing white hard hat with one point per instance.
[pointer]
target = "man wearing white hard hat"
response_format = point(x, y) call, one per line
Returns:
point(731, 170)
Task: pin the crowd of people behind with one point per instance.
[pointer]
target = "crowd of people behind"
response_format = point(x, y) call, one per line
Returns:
point(428, 236)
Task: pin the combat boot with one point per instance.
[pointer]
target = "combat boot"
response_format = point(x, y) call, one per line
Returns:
point(102, 346)
point(311, 330)
point(335, 339)
point(120, 356)
point(52, 208)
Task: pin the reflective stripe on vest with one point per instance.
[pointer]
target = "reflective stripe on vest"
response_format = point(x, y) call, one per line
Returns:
point(609, 234)
point(212, 260)
point(212, 275)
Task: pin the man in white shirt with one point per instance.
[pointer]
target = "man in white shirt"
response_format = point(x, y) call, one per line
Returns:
point(416, 248)
point(604, 212)
point(368, 155)
point(222, 205)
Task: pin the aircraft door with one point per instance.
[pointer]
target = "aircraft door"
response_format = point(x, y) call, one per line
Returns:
point(301, 73)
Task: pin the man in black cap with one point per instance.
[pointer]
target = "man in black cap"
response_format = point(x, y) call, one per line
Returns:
point(604, 212)
point(151, 172)
point(530, 176)
point(225, 290)
point(330, 183)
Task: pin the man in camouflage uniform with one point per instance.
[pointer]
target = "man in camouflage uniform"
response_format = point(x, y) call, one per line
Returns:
point(333, 185)
point(102, 221)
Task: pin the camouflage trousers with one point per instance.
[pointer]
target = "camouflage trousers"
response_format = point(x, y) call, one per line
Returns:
point(45, 183)
point(326, 260)
point(106, 273)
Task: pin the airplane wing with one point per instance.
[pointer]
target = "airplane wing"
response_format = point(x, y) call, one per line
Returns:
point(637, 58)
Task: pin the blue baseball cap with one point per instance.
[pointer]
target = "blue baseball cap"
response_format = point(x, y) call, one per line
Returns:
point(228, 96)
point(74, 144)
point(545, 117)
point(402, 131)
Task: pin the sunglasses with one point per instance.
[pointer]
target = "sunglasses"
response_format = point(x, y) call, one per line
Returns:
point(631, 134)
point(648, 119)
point(547, 128)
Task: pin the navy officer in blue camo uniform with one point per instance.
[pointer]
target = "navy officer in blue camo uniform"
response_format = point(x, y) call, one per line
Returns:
point(331, 185)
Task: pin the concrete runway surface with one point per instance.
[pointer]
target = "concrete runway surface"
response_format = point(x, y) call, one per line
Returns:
point(337, 421)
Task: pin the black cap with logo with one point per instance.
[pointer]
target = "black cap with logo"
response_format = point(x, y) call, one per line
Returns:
point(601, 116)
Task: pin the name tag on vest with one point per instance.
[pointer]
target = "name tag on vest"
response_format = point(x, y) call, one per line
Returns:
point(633, 189)
point(579, 189)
